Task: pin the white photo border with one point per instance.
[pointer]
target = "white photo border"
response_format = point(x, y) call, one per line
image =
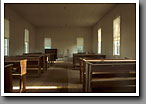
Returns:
point(70, 94)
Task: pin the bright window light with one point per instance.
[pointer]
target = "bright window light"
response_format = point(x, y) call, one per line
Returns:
point(26, 40)
point(80, 44)
point(6, 36)
point(116, 36)
point(99, 41)
point(47, 43)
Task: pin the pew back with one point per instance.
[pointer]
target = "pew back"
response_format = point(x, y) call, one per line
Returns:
point(18, 63)
point(85, 64)
point(32, 61)
point(76, 58)
point(110, 77)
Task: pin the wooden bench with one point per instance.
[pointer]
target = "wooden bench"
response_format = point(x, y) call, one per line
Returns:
point(76, 58)
point(32, 62)
point(53, 53)
point(19, 69)
point(94, 60)
point(51, 58)
point(48, 58)
point(8, 78)
point(106, 76)
point(44, 59)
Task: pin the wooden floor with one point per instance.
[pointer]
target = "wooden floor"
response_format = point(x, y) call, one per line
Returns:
point(60, 77)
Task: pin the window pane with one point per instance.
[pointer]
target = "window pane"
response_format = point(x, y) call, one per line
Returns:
point(6, 28)
point(47, 43)
point(26, 47)
point(26, 38)
point(80, 44)
point(116, 36)
point(99, 41)
point(6, 47)
point(80, 41)
point(79, 49)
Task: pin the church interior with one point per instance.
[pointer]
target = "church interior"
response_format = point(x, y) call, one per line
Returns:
point(70, 48)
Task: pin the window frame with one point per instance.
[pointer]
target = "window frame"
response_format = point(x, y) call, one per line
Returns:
point(6, 47)
point(6, 35)
point(81, 46)
point(26, 50)
point(117, 38)
point(99, 52)
point(50, 46)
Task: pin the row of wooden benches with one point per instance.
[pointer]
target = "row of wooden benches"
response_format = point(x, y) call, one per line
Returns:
point(76, 58)
point(19, 65)
point(102, 75)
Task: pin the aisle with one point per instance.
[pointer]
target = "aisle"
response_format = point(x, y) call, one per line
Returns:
point(58, 78)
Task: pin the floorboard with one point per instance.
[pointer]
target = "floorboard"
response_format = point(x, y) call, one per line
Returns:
point(60, 77)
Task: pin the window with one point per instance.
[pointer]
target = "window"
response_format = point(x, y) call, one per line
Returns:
point(6, 37)
point(47, 43)
point(99, 41)
point(116, 36)
point(6, 46)
point(80, 44)
point(26, 41)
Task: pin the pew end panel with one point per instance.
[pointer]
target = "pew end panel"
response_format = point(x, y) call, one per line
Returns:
point(8, 78)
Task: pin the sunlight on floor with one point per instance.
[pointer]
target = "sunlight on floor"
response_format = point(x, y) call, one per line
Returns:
point(58, 61)
point(38, 87)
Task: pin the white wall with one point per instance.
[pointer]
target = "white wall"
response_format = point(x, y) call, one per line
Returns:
point(64, 38)
point(17, 26)
point(128, 31)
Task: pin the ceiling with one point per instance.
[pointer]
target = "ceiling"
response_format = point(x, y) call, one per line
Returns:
point(60, 15)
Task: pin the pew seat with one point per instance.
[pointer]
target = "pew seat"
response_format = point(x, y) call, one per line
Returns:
point(108, 75)
point(116, 77)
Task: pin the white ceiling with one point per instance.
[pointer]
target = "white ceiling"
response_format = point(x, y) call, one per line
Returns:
point(60, 15)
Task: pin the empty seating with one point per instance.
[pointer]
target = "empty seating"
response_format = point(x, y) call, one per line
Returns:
point(8, 78)
point(109, 76)
point(76, 58)
point(44, 59)
point(18, 69)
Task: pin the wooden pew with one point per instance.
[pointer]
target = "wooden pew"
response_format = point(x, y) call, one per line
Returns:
point(8, 78)
point(44, 59)
point(83, 61)
point(48, 58)
point(19, 69)
point(98, 76)
point(32, 62)
point(51, 58)
point(53, 53)
point(76, 58)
